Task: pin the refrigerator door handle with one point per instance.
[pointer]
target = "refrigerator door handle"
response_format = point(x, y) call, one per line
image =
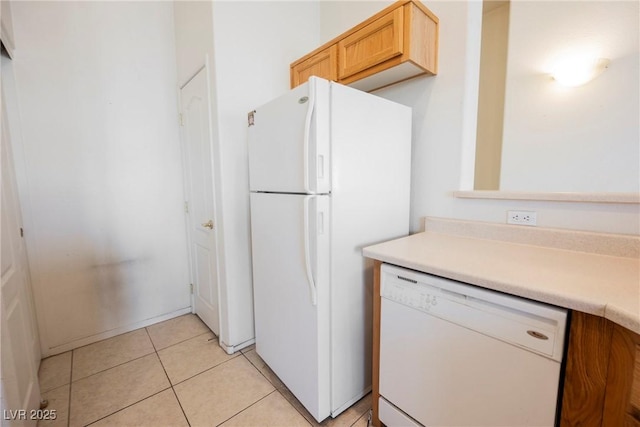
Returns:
point(307, 135)
point(307, 252)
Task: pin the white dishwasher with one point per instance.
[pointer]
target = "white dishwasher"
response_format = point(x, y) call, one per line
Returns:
point(453, 354)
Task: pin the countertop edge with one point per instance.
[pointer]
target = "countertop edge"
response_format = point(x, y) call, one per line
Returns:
point(561, 298)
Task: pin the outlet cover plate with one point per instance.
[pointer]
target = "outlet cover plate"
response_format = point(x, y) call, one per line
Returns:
point(522, 218)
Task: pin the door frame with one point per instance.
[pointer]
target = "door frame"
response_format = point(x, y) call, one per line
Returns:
point(217, 209)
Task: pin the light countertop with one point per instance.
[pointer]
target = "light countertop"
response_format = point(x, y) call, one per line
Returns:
point(598, 284)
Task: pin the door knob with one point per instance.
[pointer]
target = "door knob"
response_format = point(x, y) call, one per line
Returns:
point(208, 225)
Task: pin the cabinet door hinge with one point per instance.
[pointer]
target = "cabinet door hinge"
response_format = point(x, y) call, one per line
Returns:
point(251, 118)
point(21, 232)
point(180, 119)
point(186, 207)
point(191, 288)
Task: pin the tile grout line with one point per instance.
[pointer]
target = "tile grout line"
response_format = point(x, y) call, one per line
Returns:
point(277, 389)
point(169, 379)
point(206, 370)
point(116, 366)
point(297, 410)
point(244, 409)
point(261, 373)
point(135, 358)
point(193, 376)
point(360, 417)
point(146, 354)
point(141, 400)
point(126, 407)
point(274, 386)
point(180, 405)
point(71, 379)
point(209, 331)
point(155, 351)
point(151, 339)
point(310, 422)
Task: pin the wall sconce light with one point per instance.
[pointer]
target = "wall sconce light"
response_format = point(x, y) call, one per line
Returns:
point(573, 71)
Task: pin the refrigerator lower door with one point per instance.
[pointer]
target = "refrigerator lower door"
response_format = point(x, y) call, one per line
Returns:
point(290, 248)
point(288, 142)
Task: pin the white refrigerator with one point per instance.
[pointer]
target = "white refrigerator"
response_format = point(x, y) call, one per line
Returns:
point(329, 173)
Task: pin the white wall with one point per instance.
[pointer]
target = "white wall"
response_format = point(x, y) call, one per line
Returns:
point(584, 138)
point(254, 42)
point(100, 173)
point(253, 45)
point(444, 111)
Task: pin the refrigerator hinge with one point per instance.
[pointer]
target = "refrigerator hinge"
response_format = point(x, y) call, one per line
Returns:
point(251, 118)
point(191, 288)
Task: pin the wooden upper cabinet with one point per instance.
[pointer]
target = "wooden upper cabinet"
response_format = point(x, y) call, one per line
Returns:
point(323, 64)
point(371, 45)
point(398, 43)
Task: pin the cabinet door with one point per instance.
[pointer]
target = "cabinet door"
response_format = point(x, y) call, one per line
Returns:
point(323, 64)
point(622, 403)
point(375, 43)
point(585, 378)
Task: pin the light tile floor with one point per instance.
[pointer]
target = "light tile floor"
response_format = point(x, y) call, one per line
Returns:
point(173, 373)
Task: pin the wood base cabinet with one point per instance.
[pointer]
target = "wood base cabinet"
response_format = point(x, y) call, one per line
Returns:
point(622, 395)
point(587, 362)
point(398, 43)
point(602, 377)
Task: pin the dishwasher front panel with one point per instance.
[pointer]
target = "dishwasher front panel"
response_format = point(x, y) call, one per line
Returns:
point(441, 372)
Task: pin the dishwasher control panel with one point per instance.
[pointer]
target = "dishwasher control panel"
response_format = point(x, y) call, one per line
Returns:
point(410, 293)
point(524, 323)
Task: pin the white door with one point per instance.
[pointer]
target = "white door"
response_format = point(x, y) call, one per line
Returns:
point(289, 141)
point(198, 158)
point(20, 347)
point(290, 246)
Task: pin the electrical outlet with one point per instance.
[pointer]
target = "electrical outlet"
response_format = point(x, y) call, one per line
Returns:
point(521, 217)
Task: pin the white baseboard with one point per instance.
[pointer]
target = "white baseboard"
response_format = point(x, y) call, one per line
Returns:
point(112, 333)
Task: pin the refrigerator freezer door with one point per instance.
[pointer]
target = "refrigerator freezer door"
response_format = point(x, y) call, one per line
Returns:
point(289, 142)
point(290, 242)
